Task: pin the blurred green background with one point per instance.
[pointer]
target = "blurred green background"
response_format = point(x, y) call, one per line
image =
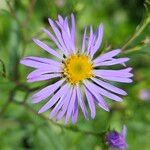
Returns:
point(20, 126)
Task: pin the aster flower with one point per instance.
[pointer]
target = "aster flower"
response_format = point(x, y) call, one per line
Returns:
point(80, 80)
point(117, 140)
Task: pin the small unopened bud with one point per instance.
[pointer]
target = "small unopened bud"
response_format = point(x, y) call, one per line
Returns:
point(117, 140)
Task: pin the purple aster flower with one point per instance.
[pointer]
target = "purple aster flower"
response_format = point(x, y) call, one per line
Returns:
point(77, 72)
point(117, 140)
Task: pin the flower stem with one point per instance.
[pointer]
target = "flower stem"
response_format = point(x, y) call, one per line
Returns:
point(71, 128)
point(136, 34)
point(3, 69)
point(139, 28)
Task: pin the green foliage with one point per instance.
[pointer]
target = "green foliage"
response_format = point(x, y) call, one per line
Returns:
point(126, 25)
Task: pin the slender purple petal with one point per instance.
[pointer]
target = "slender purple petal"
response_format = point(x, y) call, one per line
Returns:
point(46, 92)
point(54, 99)
point(66, 37)
point(92, 43)
point(103, 92)
point(55, 41)
point(39, 72)
point(47, 48)
point(99, 40)
point(81, 103)
point(84, 41)
point(124, 131)
point(113, 73)
point(71, 106)
point(117, 79)
point(28, 61)
point(109, 87)
point(75, 112)
point(65, 105)
point(112, 62)
point(90, 40)
point(43, 77)
point(107, 56)
point(60, 19)
point(99, 98)
point(58, 34)
point(42, 60)
point(60, 103)
point(91, 103)
point(67, 29)
point(73, 29)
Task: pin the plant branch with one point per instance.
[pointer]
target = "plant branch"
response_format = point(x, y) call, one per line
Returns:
point(29, 14)
point(3, 69)
point(12, 12)
point(71, 128)
point(10, 98)
point(139, 28)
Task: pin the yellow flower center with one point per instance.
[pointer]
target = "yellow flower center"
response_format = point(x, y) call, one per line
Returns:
point(77, 67)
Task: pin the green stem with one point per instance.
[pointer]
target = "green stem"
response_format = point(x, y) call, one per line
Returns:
point(136, 34)
point(13, 13)
point(10, 98)
point(141, 27)
point(3, 68)
point(71, 128)
point(135, 48)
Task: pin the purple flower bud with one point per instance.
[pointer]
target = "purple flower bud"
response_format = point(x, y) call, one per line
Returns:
point(117, 140)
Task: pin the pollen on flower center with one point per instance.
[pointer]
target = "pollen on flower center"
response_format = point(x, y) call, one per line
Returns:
point(77, 67)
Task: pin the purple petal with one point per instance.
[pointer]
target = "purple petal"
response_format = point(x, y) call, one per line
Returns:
point(91, 103)
point(66, 37)
point(47, 48)
point(117, 79)
point(65, 34)
point(109, 87)
point(81, 103)
point(60, 19)
point(60, 103)
point(92, 44)
point(58, 34)
point(46, 92)
point(28, 61)
point(99, 98)
point(65, 105)
point(54, 99)
point(84, 41)
point(113, 73)
point(90, 40)
point(107, 56)
point(99, 40)
point(69, 40)
point(73, 29)
point(42, 60)
point(55, 41)
point(116, 73)
point(39, 72)
point(103, 92)
point(75, 112)
point(71, 106)
point(124, 131)
point(112, 62)
point(43, 77)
